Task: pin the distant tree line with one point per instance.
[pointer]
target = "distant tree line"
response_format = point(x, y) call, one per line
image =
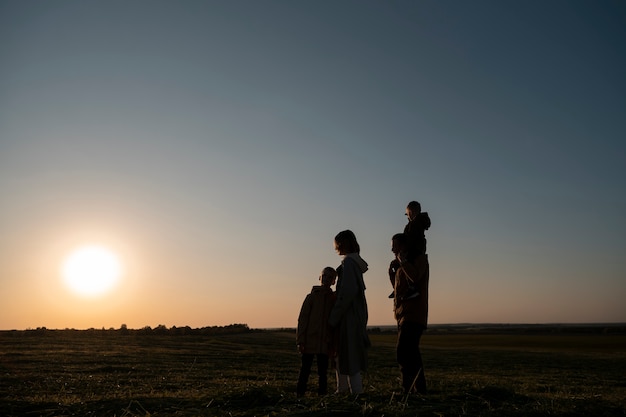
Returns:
point(186, 330)
point(147, 330)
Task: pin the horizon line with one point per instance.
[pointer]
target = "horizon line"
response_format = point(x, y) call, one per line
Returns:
point(372, 326)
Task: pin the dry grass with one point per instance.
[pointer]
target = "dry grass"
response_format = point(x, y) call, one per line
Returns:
point(104, 373)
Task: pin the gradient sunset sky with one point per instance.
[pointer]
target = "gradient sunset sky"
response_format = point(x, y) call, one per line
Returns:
point(217, 147)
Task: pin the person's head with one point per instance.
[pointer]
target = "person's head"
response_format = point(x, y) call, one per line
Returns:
point(345, 243)
point(398, 243)
point(328, 276)
point(413, 209)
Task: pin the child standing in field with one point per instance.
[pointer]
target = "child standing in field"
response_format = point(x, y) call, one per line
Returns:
point(314, 336)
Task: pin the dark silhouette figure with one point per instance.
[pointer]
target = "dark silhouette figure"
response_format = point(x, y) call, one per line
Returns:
point(418, 223)
point(415, 229)
point(411, 313)
point(349, 315)
point(314, 336)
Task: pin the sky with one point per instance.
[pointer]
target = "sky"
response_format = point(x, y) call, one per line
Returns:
point(215, 148)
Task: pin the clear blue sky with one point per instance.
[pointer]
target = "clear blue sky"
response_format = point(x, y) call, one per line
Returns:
point(217, 147)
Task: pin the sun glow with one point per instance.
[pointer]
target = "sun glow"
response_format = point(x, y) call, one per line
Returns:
point(91, 271)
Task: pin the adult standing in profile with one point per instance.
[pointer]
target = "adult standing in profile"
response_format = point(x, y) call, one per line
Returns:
point(411, 313)
point(349, 315)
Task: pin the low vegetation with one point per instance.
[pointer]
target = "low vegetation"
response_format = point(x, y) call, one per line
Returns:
point(236, 371)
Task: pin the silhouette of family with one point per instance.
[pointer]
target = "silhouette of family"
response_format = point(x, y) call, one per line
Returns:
point(332, 325)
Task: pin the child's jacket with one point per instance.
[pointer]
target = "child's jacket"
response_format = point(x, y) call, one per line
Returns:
point(313, 331)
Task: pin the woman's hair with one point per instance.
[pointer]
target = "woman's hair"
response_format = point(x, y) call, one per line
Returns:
point(346, 242)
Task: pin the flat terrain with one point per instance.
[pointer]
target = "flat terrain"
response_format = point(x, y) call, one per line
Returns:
point(134, 373)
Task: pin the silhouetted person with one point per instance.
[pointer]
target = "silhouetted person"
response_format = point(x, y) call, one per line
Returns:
point(411, 313)
point(314, 336)
point(349, 315)
point(418, 223)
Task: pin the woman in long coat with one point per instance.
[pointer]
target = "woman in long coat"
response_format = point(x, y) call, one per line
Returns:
point(349, 315)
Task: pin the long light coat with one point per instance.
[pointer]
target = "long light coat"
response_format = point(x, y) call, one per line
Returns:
point(349, 316)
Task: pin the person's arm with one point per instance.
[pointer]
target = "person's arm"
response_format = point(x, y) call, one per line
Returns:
point(303, 323)
point(402, 261)
point(345, 294)
point(410, 271)
point(413, 270)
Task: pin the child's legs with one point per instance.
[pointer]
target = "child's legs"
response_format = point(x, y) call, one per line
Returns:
point(305, 371)
point(322, 373)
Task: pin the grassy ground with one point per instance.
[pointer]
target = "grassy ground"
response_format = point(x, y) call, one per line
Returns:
point(105, 373)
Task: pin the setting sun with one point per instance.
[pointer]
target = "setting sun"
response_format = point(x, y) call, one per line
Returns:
point(91, 271)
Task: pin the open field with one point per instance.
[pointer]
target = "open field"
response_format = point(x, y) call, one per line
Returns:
point(110, 373)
